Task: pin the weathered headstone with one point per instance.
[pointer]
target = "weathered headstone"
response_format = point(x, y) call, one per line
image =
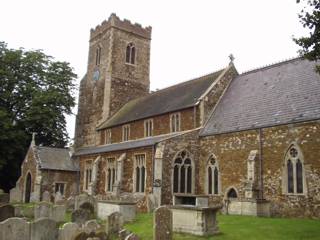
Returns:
point(44, 229)
point(46, 196)
point(114, 223)
point(88, 206)
point(34, 197)
point(14, 229)
point(29, 211)
point(58, 213)
point(58, 197)
point(42, 210)
point(91, 226)
point(80, 216)
point(91, 236)
point(132, 236)
point(15, 195)
point(70, 203)
point(6, 211)
point(82, 198)
point(162, 223)
point(68, 231)
point(151, 203)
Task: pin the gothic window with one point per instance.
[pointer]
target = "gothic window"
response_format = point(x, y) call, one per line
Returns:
point(175, 122)
point(111, 174)
point(212, 175)
point(182, 173)
point(294, 179)
point(148, 128)
point(140, 173)
point(125, 133)
point(130, 53)
point(108, 136)
point(98, 55)
point(87, 175)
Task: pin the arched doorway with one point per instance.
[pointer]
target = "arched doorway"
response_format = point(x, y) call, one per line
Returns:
point(28, 188)
point(232, 193)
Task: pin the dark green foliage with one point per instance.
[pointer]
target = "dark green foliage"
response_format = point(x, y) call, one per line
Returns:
point(310, 19)
point(35, 93)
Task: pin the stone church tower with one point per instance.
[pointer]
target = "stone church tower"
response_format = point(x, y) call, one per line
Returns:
point(117, 72)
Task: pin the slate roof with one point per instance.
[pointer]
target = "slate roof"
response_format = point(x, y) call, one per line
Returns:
point(283, 93)
point(125, 145)
point(170, 99)
point(55, 159)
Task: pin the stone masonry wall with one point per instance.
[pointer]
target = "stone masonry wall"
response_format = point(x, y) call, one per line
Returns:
point(232, 151)
point(50, 177)
point(189, 142)
point(161, 125)
point(29, 165)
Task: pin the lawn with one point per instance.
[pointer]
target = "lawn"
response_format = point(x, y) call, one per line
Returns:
point(241, 227)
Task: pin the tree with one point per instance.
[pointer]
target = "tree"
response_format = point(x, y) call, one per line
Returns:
point(310, 18)
point(35, 94)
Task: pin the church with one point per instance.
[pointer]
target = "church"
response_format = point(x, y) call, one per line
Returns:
point(248, 141)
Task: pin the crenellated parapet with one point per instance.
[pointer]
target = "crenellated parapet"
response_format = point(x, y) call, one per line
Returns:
point(126, 25)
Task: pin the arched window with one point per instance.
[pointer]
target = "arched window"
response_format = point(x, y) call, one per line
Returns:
point(111, 174)
point(182, 173)
point(130, 53)
point(294, 171)
point(212, 175)
point(140, 173)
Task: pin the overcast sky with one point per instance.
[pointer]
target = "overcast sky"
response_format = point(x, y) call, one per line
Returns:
point(189, 38)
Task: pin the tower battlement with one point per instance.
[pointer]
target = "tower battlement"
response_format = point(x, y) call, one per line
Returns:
point(126, 25)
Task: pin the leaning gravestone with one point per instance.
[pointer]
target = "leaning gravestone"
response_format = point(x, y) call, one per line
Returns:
point(114, 223)
point(44, 229)
point(6, 211)
point(91, 226)
point(80, 216)
point(58, 213)
point(14, 229)
point(162, 224)
point(68, 231)
point(46, 197)
point(42, 210)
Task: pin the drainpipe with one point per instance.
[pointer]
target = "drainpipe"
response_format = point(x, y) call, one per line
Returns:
point(261, 163)
point(152, 158)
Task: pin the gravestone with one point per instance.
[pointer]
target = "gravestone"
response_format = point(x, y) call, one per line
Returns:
point(82, 198)
point(151, 203)
point(133, 236)
point(92, 236)
point(91, 226)
point(80, 216)
point(58, 213)
point(162, 224)
point(44, 229)
point(6, 211)
point(68, 231)
point(114, 223)
point(46, 196)
point(58, 197)
point(42, 210)
point(14, 229)
point(15, 195)
point(29, 211)
point(70, 203)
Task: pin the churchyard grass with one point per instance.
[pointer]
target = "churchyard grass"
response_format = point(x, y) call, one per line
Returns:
point(241, 227)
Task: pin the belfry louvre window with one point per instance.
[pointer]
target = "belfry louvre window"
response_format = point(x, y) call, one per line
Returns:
point(111, 174)
point(294, 179)
point(98, 55)
point(175, 122)
point(140, 173)
point(125, 132)
point(148, 128)
point(212, 176)
point(130, 53)
point(182, 173)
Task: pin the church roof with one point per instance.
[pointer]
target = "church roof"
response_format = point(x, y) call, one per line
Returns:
point(143, 142)
point(55, 159)
point(174, 98)
point(283, 93)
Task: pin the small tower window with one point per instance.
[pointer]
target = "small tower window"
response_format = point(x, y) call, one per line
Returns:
point(98, 56)
point(148, 128)
point(175, 122)
point(130, 53)
point(125, 133)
